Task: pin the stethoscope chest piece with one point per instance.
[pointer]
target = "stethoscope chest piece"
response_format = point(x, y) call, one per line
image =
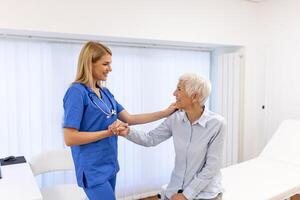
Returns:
point(113, 112)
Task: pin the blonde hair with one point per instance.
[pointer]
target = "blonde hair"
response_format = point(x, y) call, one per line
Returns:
point(195, 83)
point(90, 53)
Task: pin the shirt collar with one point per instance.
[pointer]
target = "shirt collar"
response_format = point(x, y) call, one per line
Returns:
point(202, 120)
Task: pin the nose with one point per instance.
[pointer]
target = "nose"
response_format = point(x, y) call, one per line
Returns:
point(175, 93)
point(109, 68)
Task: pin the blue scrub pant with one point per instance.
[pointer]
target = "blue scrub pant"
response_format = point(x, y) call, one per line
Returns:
point(105, 191)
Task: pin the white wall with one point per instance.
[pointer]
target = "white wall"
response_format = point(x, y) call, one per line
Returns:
point(233, 22)
point(213, 21)
point(281, 42)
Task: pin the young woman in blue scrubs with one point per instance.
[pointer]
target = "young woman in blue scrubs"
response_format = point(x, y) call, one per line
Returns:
point(89, 109)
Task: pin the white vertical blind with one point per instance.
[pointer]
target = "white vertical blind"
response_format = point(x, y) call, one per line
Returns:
point(226, 100)
point(35, 76)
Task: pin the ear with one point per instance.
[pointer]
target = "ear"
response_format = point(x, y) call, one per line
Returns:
point(195, 97)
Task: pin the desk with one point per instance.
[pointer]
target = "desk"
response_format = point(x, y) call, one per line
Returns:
point(18, 183)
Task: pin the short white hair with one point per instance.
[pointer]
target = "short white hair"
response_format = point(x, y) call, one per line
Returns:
point(194, 83)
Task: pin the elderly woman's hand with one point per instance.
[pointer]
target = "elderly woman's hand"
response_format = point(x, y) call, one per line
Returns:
point(123, 131)
point(178, 197)
point(119, 128)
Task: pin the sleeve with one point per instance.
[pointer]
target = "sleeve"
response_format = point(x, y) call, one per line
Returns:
point(154, 137)
point(73, 108)
point(212, 165)
point(119, 107)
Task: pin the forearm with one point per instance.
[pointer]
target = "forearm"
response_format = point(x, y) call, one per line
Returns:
point(78, 138)
point(140, 137)
point(151, 138)
point(146, 118)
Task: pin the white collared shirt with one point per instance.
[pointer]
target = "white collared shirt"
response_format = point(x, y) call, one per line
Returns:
point(198, 152)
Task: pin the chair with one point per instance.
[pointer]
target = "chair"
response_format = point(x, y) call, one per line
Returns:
point(161, 194)
point(56, 160)
point(273, 175)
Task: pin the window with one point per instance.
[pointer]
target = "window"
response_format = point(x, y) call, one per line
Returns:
point(35, 75)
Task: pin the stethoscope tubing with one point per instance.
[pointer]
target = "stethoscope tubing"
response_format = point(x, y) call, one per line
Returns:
point(108, 114)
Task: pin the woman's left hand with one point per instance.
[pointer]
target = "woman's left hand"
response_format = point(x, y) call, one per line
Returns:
point(117, 126)
point(178, 197)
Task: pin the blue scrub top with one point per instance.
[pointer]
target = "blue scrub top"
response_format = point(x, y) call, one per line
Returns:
point(96, 162)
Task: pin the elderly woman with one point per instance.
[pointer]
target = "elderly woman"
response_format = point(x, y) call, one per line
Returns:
point(198, 136)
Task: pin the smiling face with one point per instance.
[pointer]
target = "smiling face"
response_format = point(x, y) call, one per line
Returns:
point(101, 68)
point(183, 101)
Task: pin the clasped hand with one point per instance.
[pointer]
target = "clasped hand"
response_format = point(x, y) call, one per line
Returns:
point(119, 128)
point(178, 197)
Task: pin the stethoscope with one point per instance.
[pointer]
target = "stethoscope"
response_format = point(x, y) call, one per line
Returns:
point(109, 113)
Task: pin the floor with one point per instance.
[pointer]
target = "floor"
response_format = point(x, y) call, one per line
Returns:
point(150, 198)
point(296, 197)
